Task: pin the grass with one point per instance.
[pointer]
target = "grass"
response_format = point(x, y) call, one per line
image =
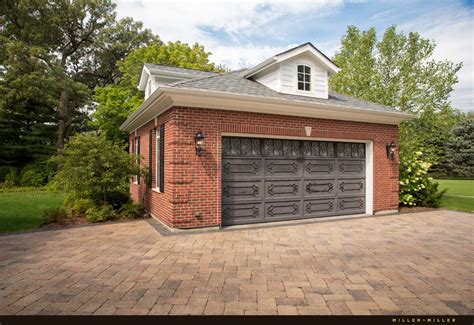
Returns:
point(459, 195)
point(23, 210)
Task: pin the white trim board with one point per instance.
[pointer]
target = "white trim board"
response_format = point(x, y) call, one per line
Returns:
point(165, 97)
point(369, 160)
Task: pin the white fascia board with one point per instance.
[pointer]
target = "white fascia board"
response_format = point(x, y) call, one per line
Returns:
point(331, 67)
point(308, 48)
point(164, 98)
point(259, 67)
point(143, 78)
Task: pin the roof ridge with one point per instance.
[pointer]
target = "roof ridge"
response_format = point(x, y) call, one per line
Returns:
point(175, 66)
point(181, 82)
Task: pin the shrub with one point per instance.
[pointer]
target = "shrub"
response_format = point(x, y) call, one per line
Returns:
point(416, 188)
point(115, 198)
point(80, 206)
point(55, 215)
point(4, 171)
point(92, 167)
point(12, 178)
point(102, 213)
point(131, 211)
point(32, 177)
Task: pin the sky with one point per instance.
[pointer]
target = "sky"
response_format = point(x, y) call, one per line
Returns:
point(244, 33)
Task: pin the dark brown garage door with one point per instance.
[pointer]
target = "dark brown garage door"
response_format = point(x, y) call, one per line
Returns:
point(270, 179)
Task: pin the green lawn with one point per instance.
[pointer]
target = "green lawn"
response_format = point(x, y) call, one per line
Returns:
point(24, 210)
point(459, 195)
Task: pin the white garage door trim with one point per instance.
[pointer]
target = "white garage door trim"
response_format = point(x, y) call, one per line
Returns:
point(369, 158)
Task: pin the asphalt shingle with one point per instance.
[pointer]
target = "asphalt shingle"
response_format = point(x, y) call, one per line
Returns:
point(233, 83)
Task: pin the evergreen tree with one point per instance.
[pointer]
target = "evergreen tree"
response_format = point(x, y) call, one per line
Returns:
point(461, 149)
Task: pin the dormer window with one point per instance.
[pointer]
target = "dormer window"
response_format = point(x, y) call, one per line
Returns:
point(304, 78)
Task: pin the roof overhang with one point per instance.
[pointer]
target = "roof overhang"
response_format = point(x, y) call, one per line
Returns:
point(306, 48)
point(165, 98)
point(146, 73)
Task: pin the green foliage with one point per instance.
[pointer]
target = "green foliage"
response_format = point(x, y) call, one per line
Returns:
point(80, 206)
point(4, 171)
point(460, 159)
point(12, 179)
point(117, 101)
point(416, 189)
point(131, 211)
point(399, 71)
point(101, 213)
point(92, 167)
point(32, 177)
point(52, 58)
point(116, 198)
point(55, 215)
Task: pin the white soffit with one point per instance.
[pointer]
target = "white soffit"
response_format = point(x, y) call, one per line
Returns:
point(165, 98)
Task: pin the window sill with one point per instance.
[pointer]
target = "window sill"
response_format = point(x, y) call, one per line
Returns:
point(157, 190)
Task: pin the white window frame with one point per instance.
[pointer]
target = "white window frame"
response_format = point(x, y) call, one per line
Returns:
point(135, 151)
point(157, 160)
point(304, 75)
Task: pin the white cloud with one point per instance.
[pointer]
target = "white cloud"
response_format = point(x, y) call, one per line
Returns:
point(452, 29)
point(238, 33)
point(238, 22)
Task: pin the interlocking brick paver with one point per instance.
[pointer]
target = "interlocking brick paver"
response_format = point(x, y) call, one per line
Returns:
point(402, 264)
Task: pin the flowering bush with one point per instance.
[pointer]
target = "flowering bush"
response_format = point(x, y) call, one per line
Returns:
point(416, 188)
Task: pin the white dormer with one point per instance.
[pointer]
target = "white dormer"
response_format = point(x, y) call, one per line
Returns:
point(154, 76)
point(303, 70)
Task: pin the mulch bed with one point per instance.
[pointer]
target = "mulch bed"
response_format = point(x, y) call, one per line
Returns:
point(82, 221)
point(415, 209)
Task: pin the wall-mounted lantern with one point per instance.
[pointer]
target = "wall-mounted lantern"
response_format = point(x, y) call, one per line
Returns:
point(198, 140)
point(391, 150)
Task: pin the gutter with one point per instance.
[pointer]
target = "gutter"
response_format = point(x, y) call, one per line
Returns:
point(178, 96)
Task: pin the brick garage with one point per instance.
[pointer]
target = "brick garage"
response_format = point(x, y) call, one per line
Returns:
point(193, 184)
point(313, 152)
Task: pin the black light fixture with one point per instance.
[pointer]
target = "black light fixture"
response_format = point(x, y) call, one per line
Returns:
point(391, 150)
point(198, 140)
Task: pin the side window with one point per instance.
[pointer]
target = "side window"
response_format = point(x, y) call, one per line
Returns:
point(159, 159)
point(137, 148)
point(150, 158)
point(304, 78)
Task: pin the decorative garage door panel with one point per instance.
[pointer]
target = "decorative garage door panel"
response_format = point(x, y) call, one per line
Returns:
point(272, 179)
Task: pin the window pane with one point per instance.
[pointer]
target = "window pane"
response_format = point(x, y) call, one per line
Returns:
point(300, 86)
point(307, 87)
point(300, 77)
point(300, 68)
point(158, 158)
point(307, 69)
point(306, 77)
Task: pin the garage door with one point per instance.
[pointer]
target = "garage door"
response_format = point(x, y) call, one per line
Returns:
point(272, 180)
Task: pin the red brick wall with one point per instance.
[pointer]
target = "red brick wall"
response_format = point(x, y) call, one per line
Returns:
point(193, 184)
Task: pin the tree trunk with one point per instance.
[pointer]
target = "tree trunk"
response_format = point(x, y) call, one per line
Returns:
point(63, 109)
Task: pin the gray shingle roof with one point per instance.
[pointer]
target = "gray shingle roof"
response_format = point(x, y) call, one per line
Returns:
point(157, 68)
point(233, 83)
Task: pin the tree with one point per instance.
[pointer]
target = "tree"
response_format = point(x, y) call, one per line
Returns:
point(115, 102)
point(80, 43)
point(28, 92)
point(398, 71)
point(461, 149)
point(92, 167)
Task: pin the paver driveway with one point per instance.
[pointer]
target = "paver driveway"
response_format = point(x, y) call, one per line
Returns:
point(419, 263)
